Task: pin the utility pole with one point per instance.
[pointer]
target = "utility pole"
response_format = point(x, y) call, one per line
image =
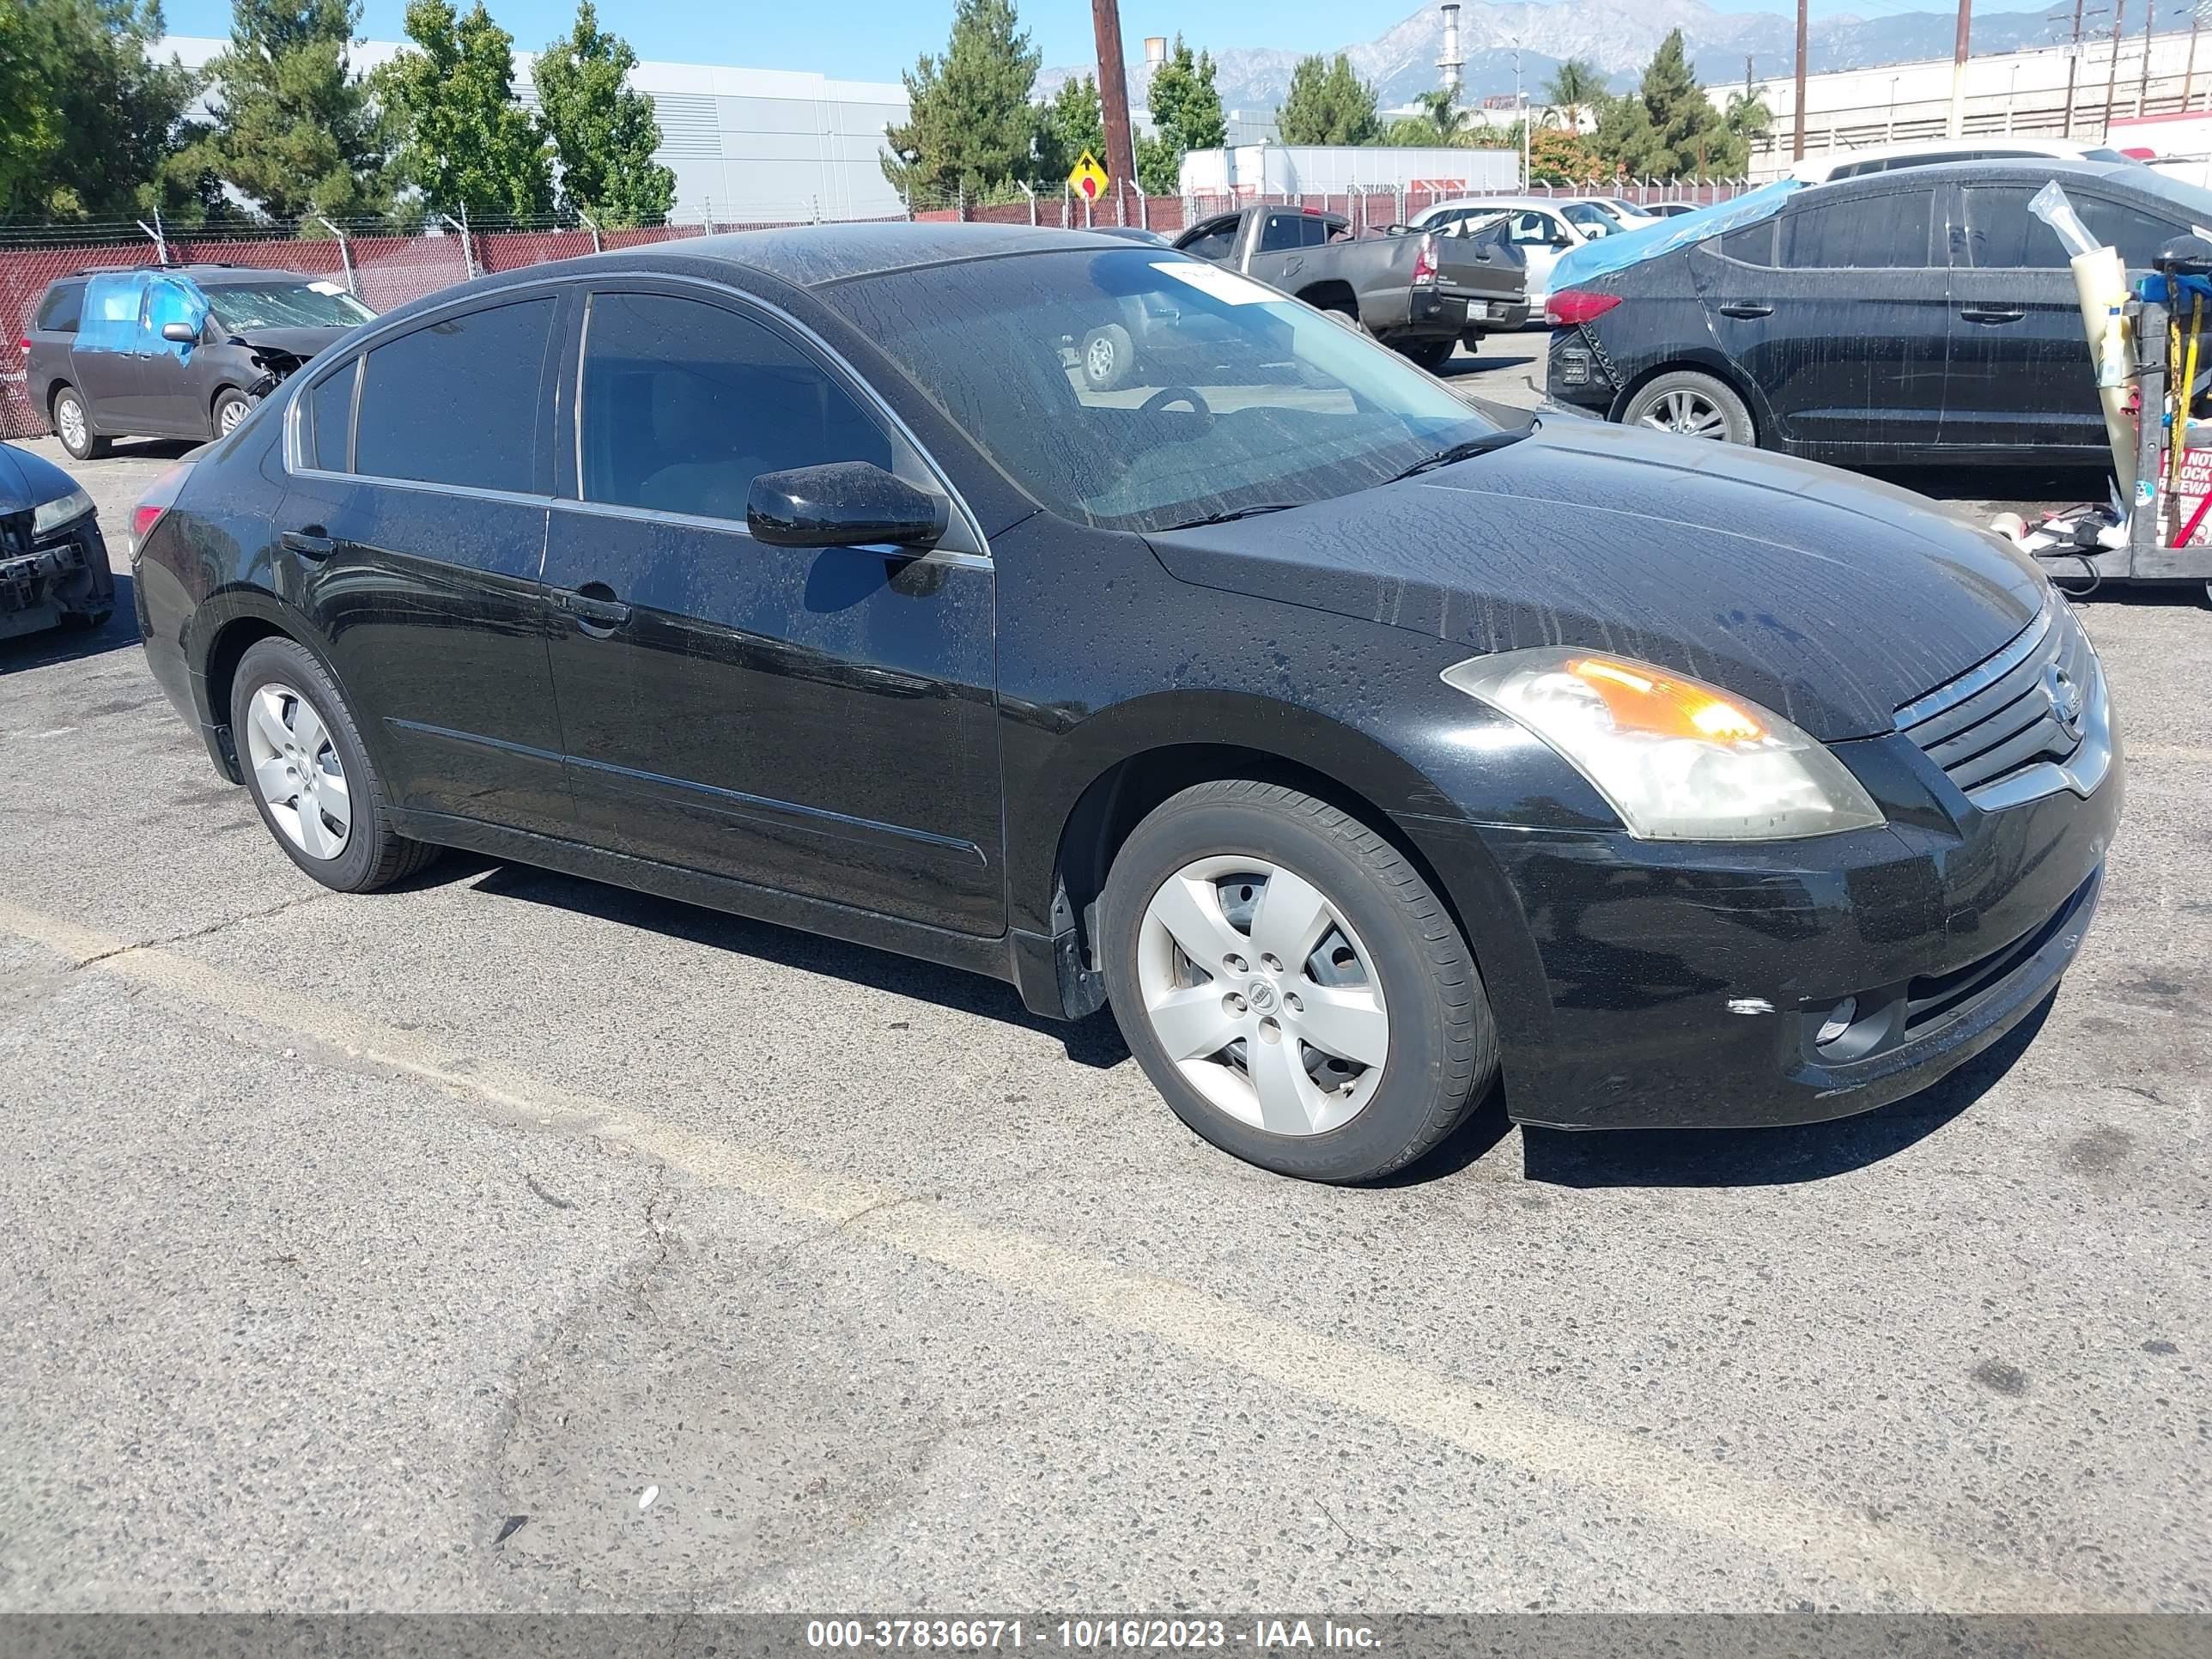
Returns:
point(1113, 89)
point(2112, 63)
point(1957, 126)
point(2189, 75)
point(2142, 82)
point(1797, 141)
point(2073, 67)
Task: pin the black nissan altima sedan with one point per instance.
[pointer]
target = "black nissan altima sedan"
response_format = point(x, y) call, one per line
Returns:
point(1357, 749)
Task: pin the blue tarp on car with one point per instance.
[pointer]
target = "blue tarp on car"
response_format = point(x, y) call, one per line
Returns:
point(1611, 253)
point(126, 310)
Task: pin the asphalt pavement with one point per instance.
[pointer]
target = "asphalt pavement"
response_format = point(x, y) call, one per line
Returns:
point(510, 1241)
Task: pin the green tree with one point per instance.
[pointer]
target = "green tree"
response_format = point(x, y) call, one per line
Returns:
point(1747, 115)
point(87, 118)
point(1686, 134)
point(1187, 115)
point(291, 128)
point(969, 124)
point(1328, 104)
point(602, 133)
point(1441, 112)
point(1069, 122)
point(463, 140)
point(1576, 90)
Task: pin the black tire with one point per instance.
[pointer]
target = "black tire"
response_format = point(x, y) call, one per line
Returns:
point(87, 448)
point(1442, 1044)
point(1109, 357)
point(1700, 395)
point(229, 397)
point(84, 622)
point(374, 856)
point(1431, 355)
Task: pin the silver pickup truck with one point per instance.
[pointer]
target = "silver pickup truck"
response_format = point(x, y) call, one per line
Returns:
point(1421, 294)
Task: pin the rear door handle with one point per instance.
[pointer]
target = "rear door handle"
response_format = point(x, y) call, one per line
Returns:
point(308, 544)
point(1746, 308)
point(1973, 316)
point(595, 612)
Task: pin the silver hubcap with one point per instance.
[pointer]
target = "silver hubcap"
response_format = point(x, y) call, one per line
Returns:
point(297, 773)
point(229, 415)
point(1690, 413)
point(1262, 995)
point(71, 416)
point(1101, 359)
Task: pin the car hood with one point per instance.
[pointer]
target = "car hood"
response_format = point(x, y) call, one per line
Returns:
point(1830, 599)
point(301, 342)
point(26, 480)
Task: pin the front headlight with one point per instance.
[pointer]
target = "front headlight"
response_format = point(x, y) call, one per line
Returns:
point(54, 514)
point(1678, 759)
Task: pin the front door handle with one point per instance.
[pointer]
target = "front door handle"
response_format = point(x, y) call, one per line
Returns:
point(1976, 316)
point(592, 611)
point(1746, 308)
point(308, 544)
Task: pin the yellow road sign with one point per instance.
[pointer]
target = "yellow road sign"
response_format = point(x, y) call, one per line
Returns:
point(1088, 180)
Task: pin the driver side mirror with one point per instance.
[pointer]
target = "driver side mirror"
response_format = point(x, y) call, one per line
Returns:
point(843, 504)
point(180, 333)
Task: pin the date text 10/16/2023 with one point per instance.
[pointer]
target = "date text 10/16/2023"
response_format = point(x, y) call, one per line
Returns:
point(1087, 1635)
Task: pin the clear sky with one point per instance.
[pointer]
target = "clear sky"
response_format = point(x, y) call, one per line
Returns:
point(873, 39)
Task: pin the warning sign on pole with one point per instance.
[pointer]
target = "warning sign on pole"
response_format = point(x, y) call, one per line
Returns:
point(1088, 180)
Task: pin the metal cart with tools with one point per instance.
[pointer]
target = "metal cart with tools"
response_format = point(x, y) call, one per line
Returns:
point(2161, 530)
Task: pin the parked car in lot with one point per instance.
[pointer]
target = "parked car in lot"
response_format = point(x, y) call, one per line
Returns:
point(1411, 292)
point(172, 351)
point(1912, 315)
point(53, 564)
point(1358, 750)
point(1538, 229)
point(1671, 210)
point(1624, 215)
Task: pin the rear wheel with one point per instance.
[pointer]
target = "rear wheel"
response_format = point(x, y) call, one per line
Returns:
point(1290, 985)
point(1431, 355)
point(73, 426)
point(1693, 405)
point(310, 778)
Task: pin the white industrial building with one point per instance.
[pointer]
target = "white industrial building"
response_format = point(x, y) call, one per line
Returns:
point(746, 144)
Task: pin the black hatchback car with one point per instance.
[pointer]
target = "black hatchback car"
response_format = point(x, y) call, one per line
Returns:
point(1348, 743)
point(1906, 316)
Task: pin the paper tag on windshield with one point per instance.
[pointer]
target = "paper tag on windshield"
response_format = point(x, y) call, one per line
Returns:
point(1226, 286)
point(325, 288)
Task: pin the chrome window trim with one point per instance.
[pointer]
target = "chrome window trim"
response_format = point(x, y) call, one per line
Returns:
point(737, 527)
point(1984, 674)
point(426, 486)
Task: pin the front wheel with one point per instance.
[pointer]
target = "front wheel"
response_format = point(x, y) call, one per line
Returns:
point(310, 778)
point(1693, 405)
point(231, 406)
point(1290, 984)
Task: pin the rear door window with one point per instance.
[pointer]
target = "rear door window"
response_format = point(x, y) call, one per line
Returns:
point(458, 402)
point(1882, 230)
point(685, 403)
point(1281, 232)
point(1752, 244)
point(64, 305)
point(330, 420)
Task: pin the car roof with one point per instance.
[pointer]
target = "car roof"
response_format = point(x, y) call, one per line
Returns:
point(1814, 169)
point(2009, 168)
point(806, 256)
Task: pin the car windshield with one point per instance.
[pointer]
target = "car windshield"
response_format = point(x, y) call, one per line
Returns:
point(285, 304)
point(1140, 390)
point(1591, 218)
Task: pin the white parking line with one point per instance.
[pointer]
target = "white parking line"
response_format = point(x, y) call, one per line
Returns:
point(1680, 1489)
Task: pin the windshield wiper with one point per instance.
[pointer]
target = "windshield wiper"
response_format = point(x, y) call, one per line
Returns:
point(1461, 452)
point(1236, 513)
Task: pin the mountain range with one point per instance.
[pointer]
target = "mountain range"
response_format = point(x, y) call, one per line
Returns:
point(1619, 36)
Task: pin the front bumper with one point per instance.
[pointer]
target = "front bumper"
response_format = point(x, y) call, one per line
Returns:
point(1652, 985)
point(59, 575)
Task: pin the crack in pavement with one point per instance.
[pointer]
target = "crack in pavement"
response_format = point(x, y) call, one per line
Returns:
point(208, 931)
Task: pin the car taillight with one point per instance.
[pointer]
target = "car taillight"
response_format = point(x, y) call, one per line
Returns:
point(157, 500)
point(1425, 261)
point(1577, 306)
point(25, 343)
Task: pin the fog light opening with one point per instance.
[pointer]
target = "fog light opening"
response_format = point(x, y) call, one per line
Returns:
point(1838, 1022)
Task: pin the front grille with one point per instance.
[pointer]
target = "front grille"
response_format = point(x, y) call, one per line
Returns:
point(2024, 709)
point(1933, 996)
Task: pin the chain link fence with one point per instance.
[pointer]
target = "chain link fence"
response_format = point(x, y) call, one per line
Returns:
point(385, 268)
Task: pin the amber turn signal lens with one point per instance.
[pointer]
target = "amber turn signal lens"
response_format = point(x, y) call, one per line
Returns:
point(1640, 701)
